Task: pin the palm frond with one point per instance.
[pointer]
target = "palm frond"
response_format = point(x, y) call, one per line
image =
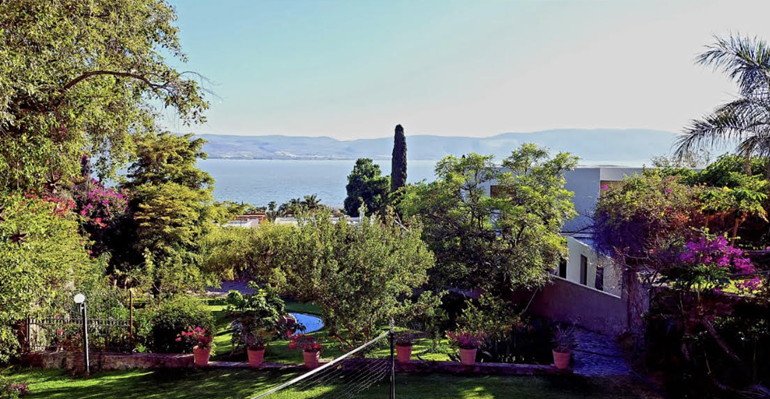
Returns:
point(719, 128)
point(746, 60)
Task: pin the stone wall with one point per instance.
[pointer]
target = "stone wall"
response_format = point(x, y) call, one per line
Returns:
point(107, 361)
point(568, 302)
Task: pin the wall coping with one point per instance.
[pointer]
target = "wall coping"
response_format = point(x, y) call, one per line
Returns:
point(587, 287)
point(111, 361)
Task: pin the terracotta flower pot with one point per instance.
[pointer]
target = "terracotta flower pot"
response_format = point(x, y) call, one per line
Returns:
point(311, 359)
point(404, 353)
point(201, 356)
point(468, 356)
point(256, 357)
point(561, 360)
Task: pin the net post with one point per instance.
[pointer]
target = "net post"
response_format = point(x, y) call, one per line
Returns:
point(391, 335)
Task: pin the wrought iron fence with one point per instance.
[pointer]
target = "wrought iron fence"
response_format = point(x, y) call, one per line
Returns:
point(109, 317)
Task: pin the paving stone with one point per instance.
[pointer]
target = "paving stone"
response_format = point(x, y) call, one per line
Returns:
point(598, 355)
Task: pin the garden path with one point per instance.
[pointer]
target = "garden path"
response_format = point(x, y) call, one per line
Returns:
point(598, 355)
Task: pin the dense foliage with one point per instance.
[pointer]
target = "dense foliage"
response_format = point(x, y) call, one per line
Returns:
point(500, 242)
point(172, 210)
point(259, 317)
point(85, 77)
point(173, 316)
point(366, 187)
point(676, 230)
point(41, 252)
point(357, 274)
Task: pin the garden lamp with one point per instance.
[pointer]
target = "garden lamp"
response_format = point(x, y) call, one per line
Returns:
point(80, 299)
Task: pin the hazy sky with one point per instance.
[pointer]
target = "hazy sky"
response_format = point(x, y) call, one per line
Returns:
point(355, 69)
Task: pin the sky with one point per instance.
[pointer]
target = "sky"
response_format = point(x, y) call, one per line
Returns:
point(354, 69)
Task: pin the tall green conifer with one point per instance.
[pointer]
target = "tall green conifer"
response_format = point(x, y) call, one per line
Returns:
point(398, 162)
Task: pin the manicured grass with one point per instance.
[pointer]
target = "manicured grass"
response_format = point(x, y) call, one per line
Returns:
point(299, 307)
point(243, 383)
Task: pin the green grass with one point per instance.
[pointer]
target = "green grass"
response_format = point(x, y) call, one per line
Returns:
point(242, 383)
point(299, 307)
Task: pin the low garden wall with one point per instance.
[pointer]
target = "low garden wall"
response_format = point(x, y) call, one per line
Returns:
point(595, 310)
point(121, 361)
point(107, 361)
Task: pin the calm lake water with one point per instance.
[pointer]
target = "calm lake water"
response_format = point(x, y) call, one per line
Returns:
point(259, 181)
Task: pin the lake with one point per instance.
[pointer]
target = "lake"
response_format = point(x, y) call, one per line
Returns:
point(259, 181)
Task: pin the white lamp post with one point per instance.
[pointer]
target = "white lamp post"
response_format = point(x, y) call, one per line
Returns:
point(80, 299)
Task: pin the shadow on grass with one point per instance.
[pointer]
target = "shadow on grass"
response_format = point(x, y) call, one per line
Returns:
point(228, 383)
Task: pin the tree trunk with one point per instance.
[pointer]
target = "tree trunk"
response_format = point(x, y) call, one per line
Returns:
point(747, 162)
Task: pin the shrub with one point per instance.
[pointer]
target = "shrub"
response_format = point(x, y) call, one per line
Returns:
point(259, 319)
point(12, 390)
point(175, 315)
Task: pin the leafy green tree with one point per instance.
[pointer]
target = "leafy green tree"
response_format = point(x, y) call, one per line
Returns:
point(398, 161)
point(85, 77)
point(173, 210)
point(356, 274)
point(746, 119)
point(231, 252)
point(500, 242)
point(41, 253)
point(366, 187)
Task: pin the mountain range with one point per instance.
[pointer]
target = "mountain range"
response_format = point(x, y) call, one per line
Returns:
point(618, 145)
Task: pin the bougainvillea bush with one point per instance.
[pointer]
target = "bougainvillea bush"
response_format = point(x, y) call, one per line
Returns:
point(710, 263)
point(98, 207)
point(642, 221)
point(707, 323)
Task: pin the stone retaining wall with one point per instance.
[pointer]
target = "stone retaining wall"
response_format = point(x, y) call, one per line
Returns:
point(107, 361)
point(120, 361)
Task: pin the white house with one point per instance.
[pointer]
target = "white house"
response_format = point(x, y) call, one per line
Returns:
point(587, 182)
point(584, 265)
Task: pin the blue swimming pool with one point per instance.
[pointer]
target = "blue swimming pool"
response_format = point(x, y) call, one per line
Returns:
point(311, 323)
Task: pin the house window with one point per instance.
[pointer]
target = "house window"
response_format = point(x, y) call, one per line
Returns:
point(563, 268)
point(599, 283)
point(583, 270)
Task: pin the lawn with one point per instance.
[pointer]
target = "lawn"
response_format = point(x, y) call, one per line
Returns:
point(243, 383)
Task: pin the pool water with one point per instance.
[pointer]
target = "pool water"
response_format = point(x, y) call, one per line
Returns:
point(311, 323)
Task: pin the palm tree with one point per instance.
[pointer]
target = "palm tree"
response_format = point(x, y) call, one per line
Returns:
point(311, 202)
point(745, 120)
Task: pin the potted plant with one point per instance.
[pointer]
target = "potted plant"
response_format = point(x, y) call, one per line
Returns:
point(311, 350)
point(564, 343)
point(258, 323)
point(201, 341)
point(403, 347)
point(469, 342)
point(256, 349)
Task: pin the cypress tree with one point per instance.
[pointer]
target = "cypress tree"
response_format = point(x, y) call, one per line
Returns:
point(398, 161)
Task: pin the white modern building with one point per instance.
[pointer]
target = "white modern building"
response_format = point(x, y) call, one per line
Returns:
point(584, 265)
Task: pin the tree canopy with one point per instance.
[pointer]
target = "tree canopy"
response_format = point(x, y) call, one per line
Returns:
point(746, 120)
point(366, 186)
point(85, 77)
point(508, 240)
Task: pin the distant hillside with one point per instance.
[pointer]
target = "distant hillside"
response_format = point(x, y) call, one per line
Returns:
point(619, 145)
